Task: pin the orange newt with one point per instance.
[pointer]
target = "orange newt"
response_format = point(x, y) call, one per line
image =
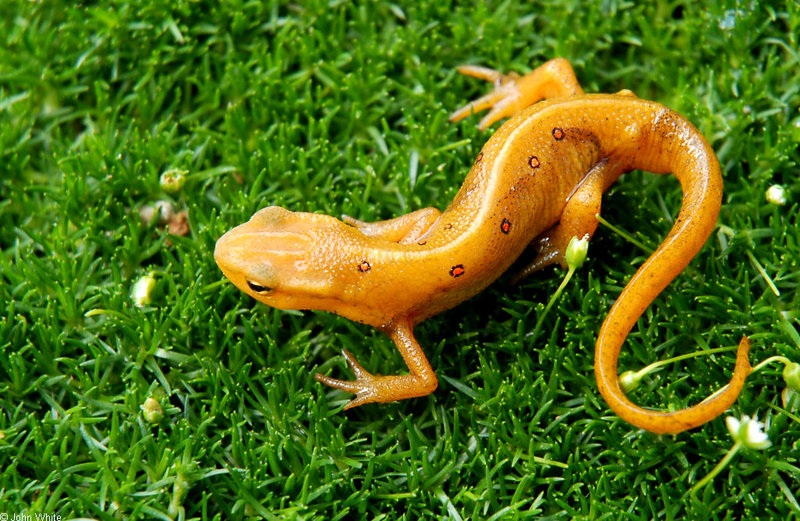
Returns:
point(538, 181)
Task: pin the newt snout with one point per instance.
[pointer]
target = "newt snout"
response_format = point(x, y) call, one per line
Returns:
point(271, 236)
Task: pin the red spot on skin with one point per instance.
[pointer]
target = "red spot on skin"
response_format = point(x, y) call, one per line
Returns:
point(533, 161)
point(457, 271)
point(505, 226)
point(364, 266)
point(558, 134)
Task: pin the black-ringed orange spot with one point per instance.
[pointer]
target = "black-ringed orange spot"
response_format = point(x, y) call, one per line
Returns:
point(364, 266)
point(448, 226)
point(422, 243)
point(480, 156)
point(505, 226)
point(457, 270)
point(558, 134)
point(533, 162)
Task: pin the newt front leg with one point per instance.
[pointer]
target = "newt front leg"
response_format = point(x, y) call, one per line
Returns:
point(405, 229)
point(370, 388)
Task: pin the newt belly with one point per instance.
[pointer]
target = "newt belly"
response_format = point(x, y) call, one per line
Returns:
point(537, 182)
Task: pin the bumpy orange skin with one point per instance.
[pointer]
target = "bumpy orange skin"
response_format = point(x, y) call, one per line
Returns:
point(538, 181)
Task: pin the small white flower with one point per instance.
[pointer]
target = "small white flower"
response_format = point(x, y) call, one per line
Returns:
point(733, 425)
point(776, 195)
point(748, 432)
point(142, 290)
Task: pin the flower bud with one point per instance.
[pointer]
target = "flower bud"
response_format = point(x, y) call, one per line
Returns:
point(142, 290)
point(152, 411)
point(629, 380)
point(576, 251)
point(173, 180)
point(791, 374)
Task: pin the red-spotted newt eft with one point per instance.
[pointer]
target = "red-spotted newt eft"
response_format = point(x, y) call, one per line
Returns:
point(538, 181)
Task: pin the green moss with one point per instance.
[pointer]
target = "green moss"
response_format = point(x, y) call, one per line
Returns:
point(341, 107)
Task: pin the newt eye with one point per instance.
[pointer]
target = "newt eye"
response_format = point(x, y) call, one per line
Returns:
point(258, 288)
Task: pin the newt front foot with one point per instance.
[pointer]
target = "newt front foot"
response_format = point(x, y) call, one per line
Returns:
point(369, 388)
point(364, 386)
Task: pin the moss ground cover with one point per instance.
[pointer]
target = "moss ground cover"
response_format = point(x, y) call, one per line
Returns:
point(201, 403)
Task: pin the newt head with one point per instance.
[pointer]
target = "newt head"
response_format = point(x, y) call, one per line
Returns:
point(287, 259)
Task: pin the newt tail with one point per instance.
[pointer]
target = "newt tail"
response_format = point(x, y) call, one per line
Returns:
point(678, 148)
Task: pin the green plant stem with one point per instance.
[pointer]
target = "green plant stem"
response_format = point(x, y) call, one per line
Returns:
point(552, 301)
point(765, 362)
point(720, 466)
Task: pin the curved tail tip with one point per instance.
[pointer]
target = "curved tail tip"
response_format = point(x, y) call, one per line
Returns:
point(678, 421)
point(743, 356)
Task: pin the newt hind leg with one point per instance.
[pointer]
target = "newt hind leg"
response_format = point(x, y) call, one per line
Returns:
point(512, 93)
point(370, 388)
point(578, 219)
